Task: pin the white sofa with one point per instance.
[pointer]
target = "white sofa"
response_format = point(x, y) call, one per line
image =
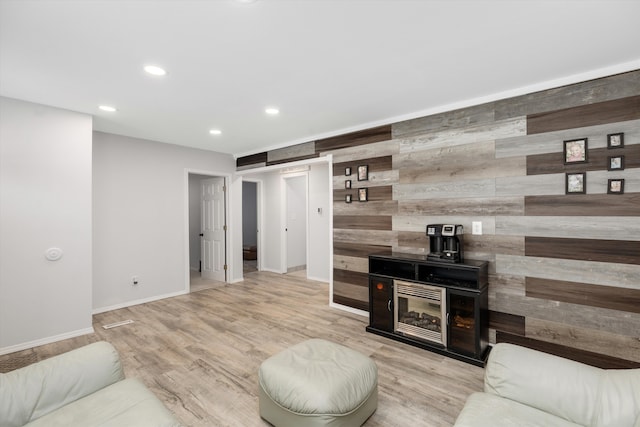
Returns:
point(84, 387)
point(528, 388)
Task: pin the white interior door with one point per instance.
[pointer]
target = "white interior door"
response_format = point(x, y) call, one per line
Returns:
point(213, 229)
point(296, 222)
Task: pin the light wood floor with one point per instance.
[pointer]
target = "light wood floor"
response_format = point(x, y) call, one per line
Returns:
point(200, 352)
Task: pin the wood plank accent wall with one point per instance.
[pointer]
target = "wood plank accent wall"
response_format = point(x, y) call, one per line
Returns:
point(564, 269)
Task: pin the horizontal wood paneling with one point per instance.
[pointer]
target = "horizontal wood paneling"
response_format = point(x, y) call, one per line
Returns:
point(298, 151)
point(375, 164)
point(617, 110)
point(551, 142)
point(506, 322)
point(411, 239)
point(437, 158)
point(585, 227)
point(381, 207)
point(492, 244)
point(460, 170)
point(607, 274)
point(577, 315)
point(471, 116)
point(373, 193)
point(598, 90)
point(362, 222)
point(506, 283)
point(467, 135)
point(598, 160)
point(259, 158)
point(418, 223)
point(351, 263)
point(627, 348)
point(463, 206)
point(554, 184)
point(376, 179)
point(366, 237)
point(458, 163)
point(588, 357)
point(584, 294)
point(501, 163)
point(376, 149)
point(351, 291)
point(367, 136)
point(351, 302)
point(353, 277)
point(445, 190)
point(613, 251)
point(351, 288)
point(627, 204)
point(291, 159)
point(357, 250)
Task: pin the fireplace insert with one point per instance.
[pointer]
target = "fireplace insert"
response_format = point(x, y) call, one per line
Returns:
point(420, 311)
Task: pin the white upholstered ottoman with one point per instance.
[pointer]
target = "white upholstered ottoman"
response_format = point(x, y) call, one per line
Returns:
point(318, 383)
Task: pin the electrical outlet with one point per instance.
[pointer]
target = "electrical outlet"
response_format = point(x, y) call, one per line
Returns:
point(135, 280)
point(476, 227)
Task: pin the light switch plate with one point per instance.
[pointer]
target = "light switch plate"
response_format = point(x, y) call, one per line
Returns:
point(476, 227)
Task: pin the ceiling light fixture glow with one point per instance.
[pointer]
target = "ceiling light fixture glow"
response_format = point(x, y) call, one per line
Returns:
point(107, 108)
point(155, 70)
point(215, 132)
point(272, 111)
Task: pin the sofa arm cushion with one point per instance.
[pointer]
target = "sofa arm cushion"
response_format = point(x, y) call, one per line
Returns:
point(489, 410)
point(125, 403)
point(35, 390)
point(559, 386)
point(619, 402)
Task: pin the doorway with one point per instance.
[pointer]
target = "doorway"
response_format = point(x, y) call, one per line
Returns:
point(250, 230)
point(207, 231)
point(295, 229)
point(272, 222)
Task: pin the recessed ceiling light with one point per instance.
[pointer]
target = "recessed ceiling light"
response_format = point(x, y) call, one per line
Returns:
point(215, 132)
point(155, 70)
point(246, 1)
point(271, 111)
point(107, 108)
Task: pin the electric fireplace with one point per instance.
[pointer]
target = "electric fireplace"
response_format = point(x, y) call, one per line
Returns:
point(420, 311)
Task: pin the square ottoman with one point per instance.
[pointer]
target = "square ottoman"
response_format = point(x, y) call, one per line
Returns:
point(318, 383)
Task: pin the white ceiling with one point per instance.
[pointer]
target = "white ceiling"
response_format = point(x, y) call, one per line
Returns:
point(331, 66)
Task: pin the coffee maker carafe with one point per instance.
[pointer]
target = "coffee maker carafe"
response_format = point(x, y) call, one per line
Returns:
point(445, 242)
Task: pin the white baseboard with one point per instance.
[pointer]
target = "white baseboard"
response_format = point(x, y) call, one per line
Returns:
point(349, 309)
point(318, 279)
point(138, 302)
point(47, 340)
point(271, 270)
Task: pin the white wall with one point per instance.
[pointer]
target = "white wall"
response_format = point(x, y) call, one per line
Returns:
point(45, 201)
point(320, 251)
point(139, 217)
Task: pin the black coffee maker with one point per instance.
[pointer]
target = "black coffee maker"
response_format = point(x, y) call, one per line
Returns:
point(445, 242)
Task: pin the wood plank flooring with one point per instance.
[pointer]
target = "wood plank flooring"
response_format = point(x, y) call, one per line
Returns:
point(200, 353)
